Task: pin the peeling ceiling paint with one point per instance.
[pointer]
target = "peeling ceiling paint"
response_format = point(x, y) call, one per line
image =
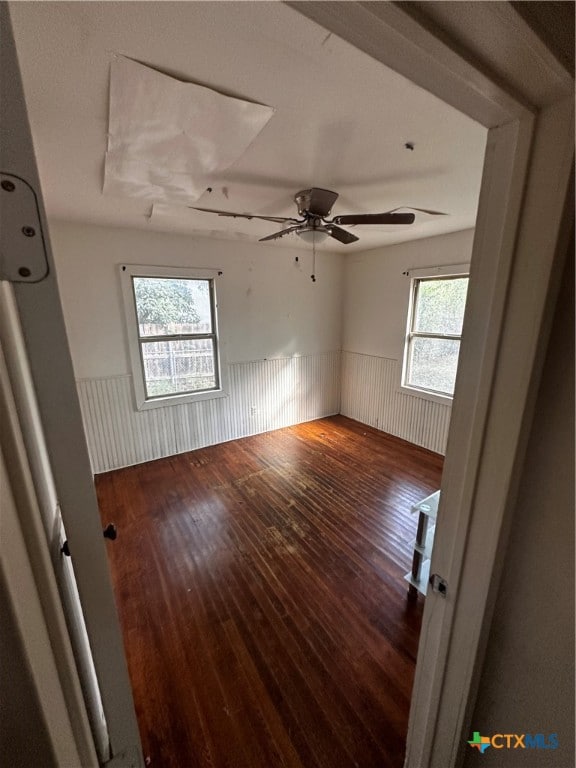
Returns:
point(342, 119)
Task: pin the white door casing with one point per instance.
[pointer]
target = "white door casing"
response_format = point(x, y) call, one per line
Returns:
point(32, 610)
point(23, 443)
point(42, 323)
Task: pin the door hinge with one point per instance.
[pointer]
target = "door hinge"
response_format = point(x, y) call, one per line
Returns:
point(23, 256)
point(439, 584)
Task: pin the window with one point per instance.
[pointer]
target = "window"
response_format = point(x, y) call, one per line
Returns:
point(172, 331)
point(434, 331)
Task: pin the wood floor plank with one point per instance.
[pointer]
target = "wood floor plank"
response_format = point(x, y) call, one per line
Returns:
point(261, 595)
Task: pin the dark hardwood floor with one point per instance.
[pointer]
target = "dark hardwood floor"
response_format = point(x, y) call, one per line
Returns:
point(261, 595)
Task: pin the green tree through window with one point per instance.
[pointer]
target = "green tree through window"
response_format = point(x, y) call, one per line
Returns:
point(161, 300)
point(176, 335)
point(433, 343)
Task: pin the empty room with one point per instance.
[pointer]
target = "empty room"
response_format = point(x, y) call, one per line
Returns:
point(262, 241)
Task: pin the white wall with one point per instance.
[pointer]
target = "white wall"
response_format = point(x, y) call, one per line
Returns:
point(375, 313)
point(281, 338)
point(268, 303)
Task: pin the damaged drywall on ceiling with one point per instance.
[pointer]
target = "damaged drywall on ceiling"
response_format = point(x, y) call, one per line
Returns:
point(167, 137)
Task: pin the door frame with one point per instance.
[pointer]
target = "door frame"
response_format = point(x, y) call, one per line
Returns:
point(515, 269)
point(42, 324)
point(524, 220)
point(31, 604)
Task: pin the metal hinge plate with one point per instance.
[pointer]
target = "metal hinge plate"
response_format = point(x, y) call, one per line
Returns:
point(22, 245)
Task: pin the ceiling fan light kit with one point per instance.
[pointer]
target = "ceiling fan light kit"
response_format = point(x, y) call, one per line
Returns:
point(314, 206)
point(313, 236)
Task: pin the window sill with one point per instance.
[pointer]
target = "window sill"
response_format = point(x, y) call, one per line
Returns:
point(189, 397)
point(425, 395)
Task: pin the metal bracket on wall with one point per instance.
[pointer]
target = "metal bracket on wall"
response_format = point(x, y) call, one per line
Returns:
point(22, 246)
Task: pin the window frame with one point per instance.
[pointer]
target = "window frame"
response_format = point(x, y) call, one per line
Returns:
point(142, 400)
point(416, 277)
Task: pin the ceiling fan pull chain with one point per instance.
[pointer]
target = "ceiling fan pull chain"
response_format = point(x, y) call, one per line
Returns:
point(313, 275)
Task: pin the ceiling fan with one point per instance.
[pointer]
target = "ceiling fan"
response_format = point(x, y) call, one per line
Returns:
point(314, 206)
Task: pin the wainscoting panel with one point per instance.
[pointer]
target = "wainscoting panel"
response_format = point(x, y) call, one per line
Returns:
point(370, 393)
point(264, 395)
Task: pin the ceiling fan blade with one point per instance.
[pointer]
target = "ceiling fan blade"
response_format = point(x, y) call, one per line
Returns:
point(375, 218)
point(340, 234)
point(420, 210)
point(282, 232)
point(316, 201)
point(277, 219)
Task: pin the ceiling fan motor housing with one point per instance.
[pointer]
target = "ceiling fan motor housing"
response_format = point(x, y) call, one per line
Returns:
point(315, 201)
point(302, 200)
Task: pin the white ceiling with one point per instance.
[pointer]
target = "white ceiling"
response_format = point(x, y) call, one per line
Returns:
point(341, 119)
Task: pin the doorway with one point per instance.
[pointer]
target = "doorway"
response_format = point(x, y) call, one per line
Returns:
point(512, 141)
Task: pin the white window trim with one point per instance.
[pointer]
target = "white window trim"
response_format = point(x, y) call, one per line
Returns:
point(142, 403)
point(420, 273)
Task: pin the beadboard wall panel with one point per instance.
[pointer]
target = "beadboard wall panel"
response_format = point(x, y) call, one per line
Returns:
point(264, 395)
point(370, 394)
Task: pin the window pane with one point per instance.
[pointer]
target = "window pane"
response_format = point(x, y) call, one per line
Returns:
point(440, 305)
point(173, 367)
point(433, 364)
point(168, 306)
